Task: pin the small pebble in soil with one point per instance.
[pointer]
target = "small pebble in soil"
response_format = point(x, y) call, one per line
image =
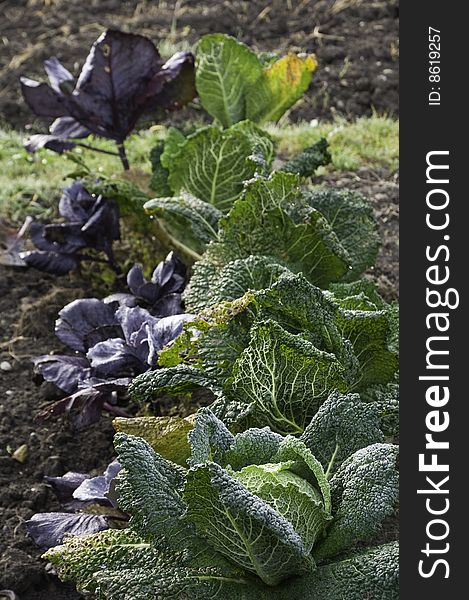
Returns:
point(5, 366)
point(21, 453)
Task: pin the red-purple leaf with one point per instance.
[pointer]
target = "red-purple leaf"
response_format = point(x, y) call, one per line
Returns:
point(51, 142)
point(58, 75)
point(85, 322)
point(179, 83)
point(122, 78)
point(42, 99)
point(50, 262)
point(65, 486)
point(48, 529)
point(96, 489)
point(66, 372)
point(68, 127)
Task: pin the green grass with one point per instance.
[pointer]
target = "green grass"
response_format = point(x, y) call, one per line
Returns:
point(367, 142)
point(31, 184)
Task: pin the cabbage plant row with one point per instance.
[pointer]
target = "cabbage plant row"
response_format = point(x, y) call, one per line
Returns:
point(279, 487)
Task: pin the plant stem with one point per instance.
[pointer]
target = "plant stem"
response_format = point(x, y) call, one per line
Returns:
point(123, 156)
point(115, 410)
point(168, 240)
point(332, 461)
point(88, 147)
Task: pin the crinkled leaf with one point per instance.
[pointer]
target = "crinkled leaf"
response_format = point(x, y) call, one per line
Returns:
point(306, 162)
point(209, 439)
point(364, 492)
point(187, 218)
point(290, 495)
point(253, 446)
point(150, 490)
point(120, 565)
point(370, 574)
point(159, 174)
point(302, 308)
point(370, 333)
point(213, 165)
point(180, 379)
point(364, 289)
point(294, 303)
point(272, 219)
point(284, 378)
point(241, 526)
point(305, 465)
point(172, 146)
point(342, 425)
point(209, 285)
point(351, 218)
point(385, 400)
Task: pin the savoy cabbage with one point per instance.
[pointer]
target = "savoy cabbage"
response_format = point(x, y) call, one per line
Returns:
point(253, 515)
point(234, 83)
point(274, 355)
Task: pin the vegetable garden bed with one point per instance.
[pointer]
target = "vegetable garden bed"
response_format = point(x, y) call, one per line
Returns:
point(280, 332)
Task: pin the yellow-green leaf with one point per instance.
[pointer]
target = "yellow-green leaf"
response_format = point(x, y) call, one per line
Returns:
point(284, 82)
point(166, 435)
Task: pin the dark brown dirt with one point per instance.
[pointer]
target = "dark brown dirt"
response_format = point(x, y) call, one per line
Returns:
point(29, 302)
point(356, 42)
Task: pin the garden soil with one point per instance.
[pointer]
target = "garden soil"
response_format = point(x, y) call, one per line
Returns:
point(355, 42)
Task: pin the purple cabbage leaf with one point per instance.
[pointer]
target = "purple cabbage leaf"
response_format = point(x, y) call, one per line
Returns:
point(112, 343)
point(123, 78)
point(90, 223)
point(77, 493)
point(85, 322)
point(96, 489)
point(48, 529)
point(162, 293)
